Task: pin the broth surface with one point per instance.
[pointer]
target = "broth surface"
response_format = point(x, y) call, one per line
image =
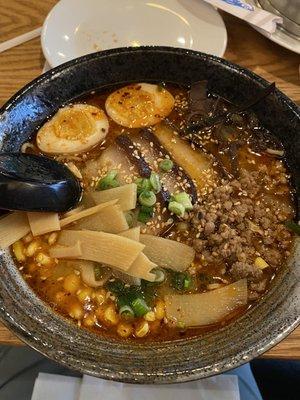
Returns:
point(242, 201)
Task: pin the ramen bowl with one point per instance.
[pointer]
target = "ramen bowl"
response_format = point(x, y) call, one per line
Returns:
point(180, 360)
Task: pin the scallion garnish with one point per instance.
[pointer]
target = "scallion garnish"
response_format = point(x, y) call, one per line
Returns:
point(176, 208)
point(145, 214)
point(126, 312)
point(109, 181)
point(166, 165)
point(160, 275)
point(184, 199)
point(155, 182)
point(98, 272)
point(139, 307)
point(143, 184)
point(147, 198)
point(181, 281)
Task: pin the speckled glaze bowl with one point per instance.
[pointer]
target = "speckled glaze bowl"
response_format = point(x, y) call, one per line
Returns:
point(162, 362)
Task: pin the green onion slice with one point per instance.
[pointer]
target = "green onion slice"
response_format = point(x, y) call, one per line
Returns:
point(155, 182)
point(139, 307)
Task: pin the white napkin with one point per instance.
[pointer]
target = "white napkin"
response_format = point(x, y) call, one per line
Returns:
point(57, 387)
point(222, 387)
point(248, 12)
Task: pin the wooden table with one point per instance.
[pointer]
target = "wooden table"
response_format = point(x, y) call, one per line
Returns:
point(245, 47)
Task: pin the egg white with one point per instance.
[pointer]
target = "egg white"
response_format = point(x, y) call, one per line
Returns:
point(73, 129)
point(139, 105)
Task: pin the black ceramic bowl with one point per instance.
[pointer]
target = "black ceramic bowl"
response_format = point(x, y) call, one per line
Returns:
point(181, 360)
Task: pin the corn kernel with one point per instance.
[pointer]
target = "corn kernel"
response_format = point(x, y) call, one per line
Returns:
point(76, 311)
point(84, 294)
point(150, 316)
point(89, 320)
point(100, 296)
point(142, 329)
point(32, 267)
point(110, 315)
point(28, 238)
point(43, 259)
point(100, 313)
point(124, 330)
point(260, 263)
point(59, 296)
point(32, 248)
point(154, 326)
point(71, 283)
point(19, 251)
point(52, 238)
point(159, 310)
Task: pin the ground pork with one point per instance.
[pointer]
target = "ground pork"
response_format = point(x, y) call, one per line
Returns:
point(239, 221)
point(240, 270)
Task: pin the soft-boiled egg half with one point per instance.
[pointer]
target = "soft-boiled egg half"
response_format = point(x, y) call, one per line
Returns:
point(139, 105)
point(73, 129)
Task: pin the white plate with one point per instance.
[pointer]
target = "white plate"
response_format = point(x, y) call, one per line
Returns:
point(77, 27)
point(280, 36)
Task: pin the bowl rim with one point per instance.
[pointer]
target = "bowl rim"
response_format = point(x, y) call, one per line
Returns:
point(185, 375)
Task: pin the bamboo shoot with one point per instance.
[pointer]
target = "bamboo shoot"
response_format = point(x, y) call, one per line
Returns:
point(168, 253)
point(43, 222)
point(12, 228)
point(85, 213)
point(133, 233)
point(126, 196)
point(105, 248)
point(111, 219)
point(59, 251)
point(206, 308)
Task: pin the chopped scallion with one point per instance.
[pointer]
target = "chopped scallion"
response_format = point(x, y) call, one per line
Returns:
point(145, 214)
point(160, 275)
point(126, 312)
point(109, 181)
point(98, 272)
point(116, 286)
point(155, 182)
point(166, 165)
point(129, 218)
point(139, 307)
point(181, 281)
point(184, 199)
point(176, 208)
point(147, 198)
point(143, 184)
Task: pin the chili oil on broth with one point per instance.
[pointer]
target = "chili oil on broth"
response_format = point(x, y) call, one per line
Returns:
point(61, 286)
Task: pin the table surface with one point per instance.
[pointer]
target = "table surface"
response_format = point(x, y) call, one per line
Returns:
point(246, 47)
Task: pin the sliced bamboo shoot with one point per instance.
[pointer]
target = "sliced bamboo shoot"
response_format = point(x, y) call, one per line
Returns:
point(141, 268)
point(206, 308)
point(87, 269)
point(12, 228)
point(43, 222)
point(126, 196)
point(168, 253)
point(85, 213)
point(133, 233)
point(104, 248)
point(59, 251)
point(110, 219)
point(194, 162)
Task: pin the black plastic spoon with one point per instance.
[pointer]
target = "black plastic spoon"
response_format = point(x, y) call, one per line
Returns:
point(36, 183)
